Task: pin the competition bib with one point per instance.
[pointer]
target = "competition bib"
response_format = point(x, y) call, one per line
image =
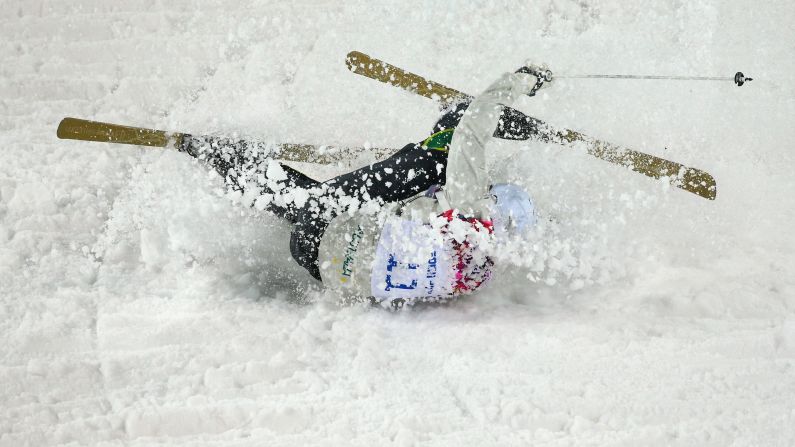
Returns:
point(410, 262)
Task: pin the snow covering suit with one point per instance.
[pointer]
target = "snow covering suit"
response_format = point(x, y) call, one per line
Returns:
point(386, 230)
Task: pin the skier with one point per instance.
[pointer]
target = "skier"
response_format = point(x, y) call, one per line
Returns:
point(415, 227)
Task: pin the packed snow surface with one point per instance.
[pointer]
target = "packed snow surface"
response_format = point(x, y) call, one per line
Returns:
point(140, 305)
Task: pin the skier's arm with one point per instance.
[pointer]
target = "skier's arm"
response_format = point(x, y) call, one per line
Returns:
point(467, 182)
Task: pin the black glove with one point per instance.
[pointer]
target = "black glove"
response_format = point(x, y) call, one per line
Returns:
point(542, 74)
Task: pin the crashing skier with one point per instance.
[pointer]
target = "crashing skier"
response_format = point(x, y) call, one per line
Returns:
point(417, 226)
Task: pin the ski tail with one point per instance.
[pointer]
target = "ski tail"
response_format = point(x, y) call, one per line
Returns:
point(198, 145)
point(85, 130)
point(692, 180)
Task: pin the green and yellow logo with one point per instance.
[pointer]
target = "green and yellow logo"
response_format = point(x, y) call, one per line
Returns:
point(440, 141)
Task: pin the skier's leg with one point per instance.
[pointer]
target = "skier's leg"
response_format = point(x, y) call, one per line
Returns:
point(405, 174)
point(408, 172)
point(513, 125)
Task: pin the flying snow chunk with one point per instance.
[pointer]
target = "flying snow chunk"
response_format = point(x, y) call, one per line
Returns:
point(299, 197)
point(275, 172)
point(263, 201)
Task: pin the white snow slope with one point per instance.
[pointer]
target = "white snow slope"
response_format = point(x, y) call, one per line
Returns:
point(140, 306)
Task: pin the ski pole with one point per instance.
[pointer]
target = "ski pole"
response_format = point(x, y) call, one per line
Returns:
point(739, 78)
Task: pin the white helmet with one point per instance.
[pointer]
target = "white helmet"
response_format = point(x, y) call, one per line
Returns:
point(513, 210)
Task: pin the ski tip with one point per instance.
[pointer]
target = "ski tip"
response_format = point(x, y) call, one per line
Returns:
point(701, 184)
point(355, 59)
point(61, 132)
point(66, 128)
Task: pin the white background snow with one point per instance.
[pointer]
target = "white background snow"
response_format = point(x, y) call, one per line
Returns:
point(140, 306)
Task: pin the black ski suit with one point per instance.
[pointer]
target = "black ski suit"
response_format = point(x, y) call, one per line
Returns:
point(385, 181)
